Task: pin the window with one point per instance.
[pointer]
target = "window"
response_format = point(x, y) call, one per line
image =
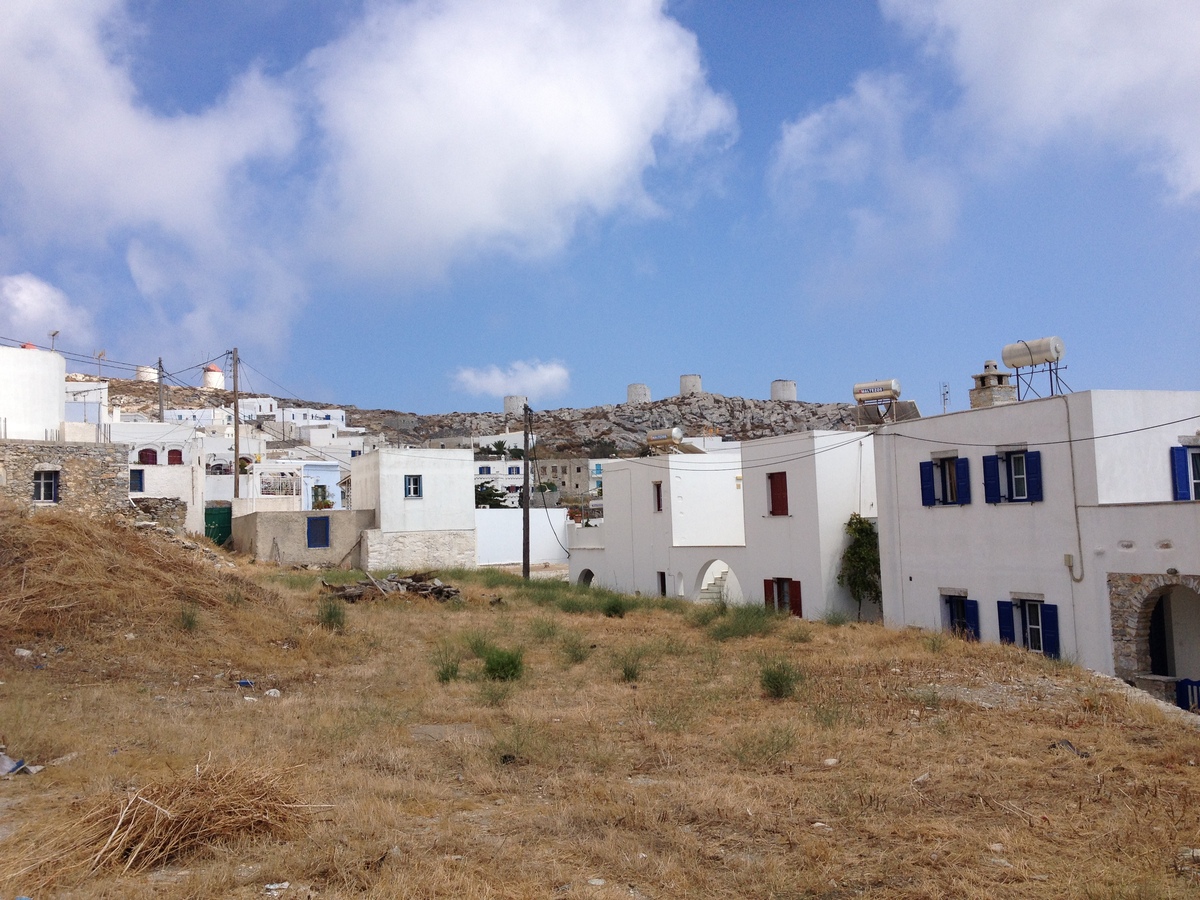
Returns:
point(514, 470)
point(946, 482)
point(137, 480)
point(147, 457)
point(783, 595)
point(1185, 473)
point(485, 470)
point(320, 496)
point(318, 531)
point(963, 616)
point(777, 498)
point(1038, 621)
point(412, 486)
point(1014, 477)
point(45, 487)
point(658, 496)
point(174, 457)
point(662, 584)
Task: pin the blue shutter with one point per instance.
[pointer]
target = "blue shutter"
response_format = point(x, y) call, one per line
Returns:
point(971, 613)
point(1004, 614)
point(1050, 630)
point(927, 498)
point(991, 479)
point(1033, 476)
point(1179, 474)
point(962, 473)
point(318, 531)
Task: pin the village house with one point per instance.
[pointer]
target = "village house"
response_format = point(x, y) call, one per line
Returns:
point(1067, 525)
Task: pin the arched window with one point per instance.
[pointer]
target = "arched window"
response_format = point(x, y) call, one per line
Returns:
point(148, 457)
point(174, 457)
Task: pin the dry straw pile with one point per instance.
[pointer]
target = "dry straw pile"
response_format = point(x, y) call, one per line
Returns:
point(157, 824)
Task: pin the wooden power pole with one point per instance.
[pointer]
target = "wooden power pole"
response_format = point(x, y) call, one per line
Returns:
point(528, 419)
point(161, 388)
point(237, 432)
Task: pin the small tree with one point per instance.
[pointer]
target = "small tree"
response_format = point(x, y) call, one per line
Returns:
point(487, 494)
point(860, 563)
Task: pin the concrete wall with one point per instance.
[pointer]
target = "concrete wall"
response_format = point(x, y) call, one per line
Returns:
point(498, 536)
point(417, 549)
point(32, 399)
point(447, 501)
point(1132, 468)
point(283, 537)
point(93, 478)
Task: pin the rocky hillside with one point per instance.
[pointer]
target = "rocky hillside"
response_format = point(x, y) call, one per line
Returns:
point(597, 430)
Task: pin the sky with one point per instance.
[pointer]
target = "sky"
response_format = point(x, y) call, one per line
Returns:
point(426, 205)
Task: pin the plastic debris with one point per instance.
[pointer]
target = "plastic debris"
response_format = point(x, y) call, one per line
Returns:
point(23, 653)
point(273, 692)
point(246, 683)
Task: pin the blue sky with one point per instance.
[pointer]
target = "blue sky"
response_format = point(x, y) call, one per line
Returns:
point(427, 205)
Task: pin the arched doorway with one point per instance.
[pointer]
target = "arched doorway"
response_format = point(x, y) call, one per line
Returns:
point(1155, 625)
point(716, 581)
point(585, 577)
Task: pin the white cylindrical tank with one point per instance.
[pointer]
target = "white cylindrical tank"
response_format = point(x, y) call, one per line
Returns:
point(514, 405)
point(662, 437)
point(689, 385)
point(1023, 354)
point(33, 401)
point(637, 393)
point(866, 391)
point(214, 378)
point(146, 373)
point(781, 389)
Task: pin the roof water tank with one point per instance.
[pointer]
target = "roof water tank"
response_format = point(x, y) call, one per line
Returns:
point(867, 391)
point(664, 437)
point(1023, 354)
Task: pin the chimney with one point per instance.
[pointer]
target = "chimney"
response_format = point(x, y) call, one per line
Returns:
point(992, 387)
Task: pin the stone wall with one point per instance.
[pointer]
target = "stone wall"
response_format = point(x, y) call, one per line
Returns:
point(418, 549)
point(1131, 599)
point(93, 479)
point(169, 512)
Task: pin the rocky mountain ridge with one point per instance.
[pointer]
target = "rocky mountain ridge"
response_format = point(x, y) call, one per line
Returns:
point(598, 430)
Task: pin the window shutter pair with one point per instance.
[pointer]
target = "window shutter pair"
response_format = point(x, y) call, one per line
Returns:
point(769, 592)
point(962, 474)
point(1008, 630)
point(1180, 477)
point(1033, 478)
point(971, 614)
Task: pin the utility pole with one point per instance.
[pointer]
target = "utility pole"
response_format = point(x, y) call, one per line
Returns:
point(237, 433)
point(528, 420)
point(160, 390)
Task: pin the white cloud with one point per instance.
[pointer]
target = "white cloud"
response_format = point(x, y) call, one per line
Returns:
point(893, 206)
point(453, 126)
point(31, 308)
point(1033, 71)
point(533, 379)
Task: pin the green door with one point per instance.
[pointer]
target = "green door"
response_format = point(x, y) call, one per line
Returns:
point(218, 523)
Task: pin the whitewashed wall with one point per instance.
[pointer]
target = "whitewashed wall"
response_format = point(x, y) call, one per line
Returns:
point(498, 536)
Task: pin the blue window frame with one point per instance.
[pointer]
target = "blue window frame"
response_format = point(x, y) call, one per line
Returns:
point(137, 480)
point(514, 470)
point(1039, 625)
point(964, 616)
point(1185, 473)
point(412, 486)
point(1014, 477)
point(45, 486)
point(318, 531)
point(485, 470)
point(946, 481)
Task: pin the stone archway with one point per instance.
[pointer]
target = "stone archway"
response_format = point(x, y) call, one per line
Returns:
point(1131, 601)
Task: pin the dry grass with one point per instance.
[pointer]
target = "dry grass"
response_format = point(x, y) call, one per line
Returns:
point(951, 779)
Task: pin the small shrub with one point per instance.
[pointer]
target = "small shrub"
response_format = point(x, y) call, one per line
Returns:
point(543, 629)
point(478, 642)
point(503, 665)
point(835, 618)
point(744, 621)
point(189, 617)
point(779, 678)
point(446, 662)
point(799, 633)
point(629, 663)
point(494, 693)
point(935, 642)
point(614, 608)
point(575, 648)
point(765, 745)
point(704, 614)
point(234, 597)
point(331, 614)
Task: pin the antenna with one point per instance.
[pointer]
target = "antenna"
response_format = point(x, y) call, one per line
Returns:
point(945, 386)
point(53, 335)
point(99, 354)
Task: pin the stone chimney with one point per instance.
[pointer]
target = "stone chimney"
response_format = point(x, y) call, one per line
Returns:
point(992, 387)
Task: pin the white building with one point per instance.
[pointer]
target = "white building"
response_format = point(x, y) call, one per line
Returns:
point(761, 523)
point(165, 461)
point(1066, 524)
point(32, 401)
point(290, 485)
point(424, 502)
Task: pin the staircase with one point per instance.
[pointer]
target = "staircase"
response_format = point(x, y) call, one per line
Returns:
point(714, 591)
